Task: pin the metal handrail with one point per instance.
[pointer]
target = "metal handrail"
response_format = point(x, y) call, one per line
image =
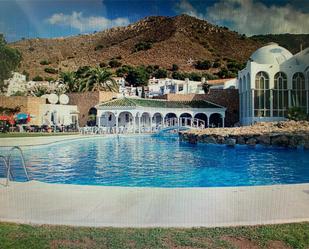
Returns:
point(9, 164)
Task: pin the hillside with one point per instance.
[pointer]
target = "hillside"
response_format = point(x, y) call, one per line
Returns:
point(159, 41)
point(289, 41)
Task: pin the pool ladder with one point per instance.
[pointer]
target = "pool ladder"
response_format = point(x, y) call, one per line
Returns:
point(7, 164)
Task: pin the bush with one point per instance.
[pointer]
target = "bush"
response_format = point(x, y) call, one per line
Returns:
point(122, 71)
point(175, 67)
point(98, 47)
point(49, 79)
point(160, 73)
point(142, 46)
point(37, 78)
point(44, 62)
point(114, 63)
point(50, 70)
point(297, 114)
point(102, 65)
point(216, 64)
point(203, 65)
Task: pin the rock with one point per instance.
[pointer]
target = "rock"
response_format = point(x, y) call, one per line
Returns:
point(220, 139)
point(231, 142)
point(263, 139)
point(251, 141)
point(192, 139)
point(241, 140)
point(280, 140)
point(210, 140)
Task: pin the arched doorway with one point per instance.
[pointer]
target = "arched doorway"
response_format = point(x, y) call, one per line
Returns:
point(108, 119)
point(215, 120)
point(125, 120)
point(171, 118)
point(145, 120)
point(185, 119)
point(157, 118)
point(92, 117)
point(202, 116)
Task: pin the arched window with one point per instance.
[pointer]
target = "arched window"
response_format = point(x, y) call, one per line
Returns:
point(280, 95)
point(261, 95)
point(299, 91)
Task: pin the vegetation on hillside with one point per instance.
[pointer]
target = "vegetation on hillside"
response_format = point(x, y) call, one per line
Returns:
point(9, 61)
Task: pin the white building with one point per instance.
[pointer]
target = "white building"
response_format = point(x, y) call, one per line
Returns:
point(146, 115)
point(273, 81)
point(159, 87)
point(17, 83)
point(57, 114)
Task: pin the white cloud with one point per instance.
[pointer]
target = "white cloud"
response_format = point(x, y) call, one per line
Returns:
point(91, 23)
point(252, 17)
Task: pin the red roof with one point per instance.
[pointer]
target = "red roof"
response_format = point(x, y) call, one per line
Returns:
point(219, 81)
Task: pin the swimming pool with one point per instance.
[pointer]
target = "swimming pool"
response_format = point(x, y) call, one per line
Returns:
point(161, 161)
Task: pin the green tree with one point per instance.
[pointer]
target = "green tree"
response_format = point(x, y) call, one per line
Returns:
point(9, 61)
point(175, 67)
point(114, 63)
point(160, 73)
point(138, 76)
point(203, 65)
point(100, 79)
point(70, 80)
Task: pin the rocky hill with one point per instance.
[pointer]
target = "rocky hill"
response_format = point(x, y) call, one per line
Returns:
point(156, 40)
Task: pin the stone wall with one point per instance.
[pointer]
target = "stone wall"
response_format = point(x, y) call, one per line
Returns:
point(228, 98)
point(27, 105)
point(86, 100)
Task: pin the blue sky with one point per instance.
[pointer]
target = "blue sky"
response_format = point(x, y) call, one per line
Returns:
point(54, 18)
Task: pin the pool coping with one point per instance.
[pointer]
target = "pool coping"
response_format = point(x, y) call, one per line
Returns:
point(47, 140)
point(98, 206)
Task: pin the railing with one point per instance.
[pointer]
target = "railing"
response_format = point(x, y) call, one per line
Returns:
point(192, 123)
point(7, 164)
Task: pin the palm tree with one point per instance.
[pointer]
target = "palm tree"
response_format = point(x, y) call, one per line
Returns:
point(101, 79)
point(70, 81)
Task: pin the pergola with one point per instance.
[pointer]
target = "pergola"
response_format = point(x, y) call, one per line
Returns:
point(144, 115)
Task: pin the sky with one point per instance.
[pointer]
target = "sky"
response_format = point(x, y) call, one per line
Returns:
point(57, 18)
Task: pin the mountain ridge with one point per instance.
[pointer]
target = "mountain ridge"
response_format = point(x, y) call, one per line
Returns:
point(154, 40)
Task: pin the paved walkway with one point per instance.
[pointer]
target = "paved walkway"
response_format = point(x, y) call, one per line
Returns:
point(27, 141)
point(42, 203)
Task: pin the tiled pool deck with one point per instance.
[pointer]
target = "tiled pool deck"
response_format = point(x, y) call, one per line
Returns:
point(42, 203)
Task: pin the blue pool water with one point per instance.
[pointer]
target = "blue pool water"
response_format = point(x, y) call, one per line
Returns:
point(161, 161)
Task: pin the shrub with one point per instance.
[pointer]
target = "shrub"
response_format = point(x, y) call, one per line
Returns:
point(50, 70)
point(114, 63)
point(175, 67)
point(142, 46)
point(49, 79)
point(98, 47)
point(102, 65)
point(44, 62)
point(37, 78)
point(297, 114)
point(203, 65)
point(216, 64)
